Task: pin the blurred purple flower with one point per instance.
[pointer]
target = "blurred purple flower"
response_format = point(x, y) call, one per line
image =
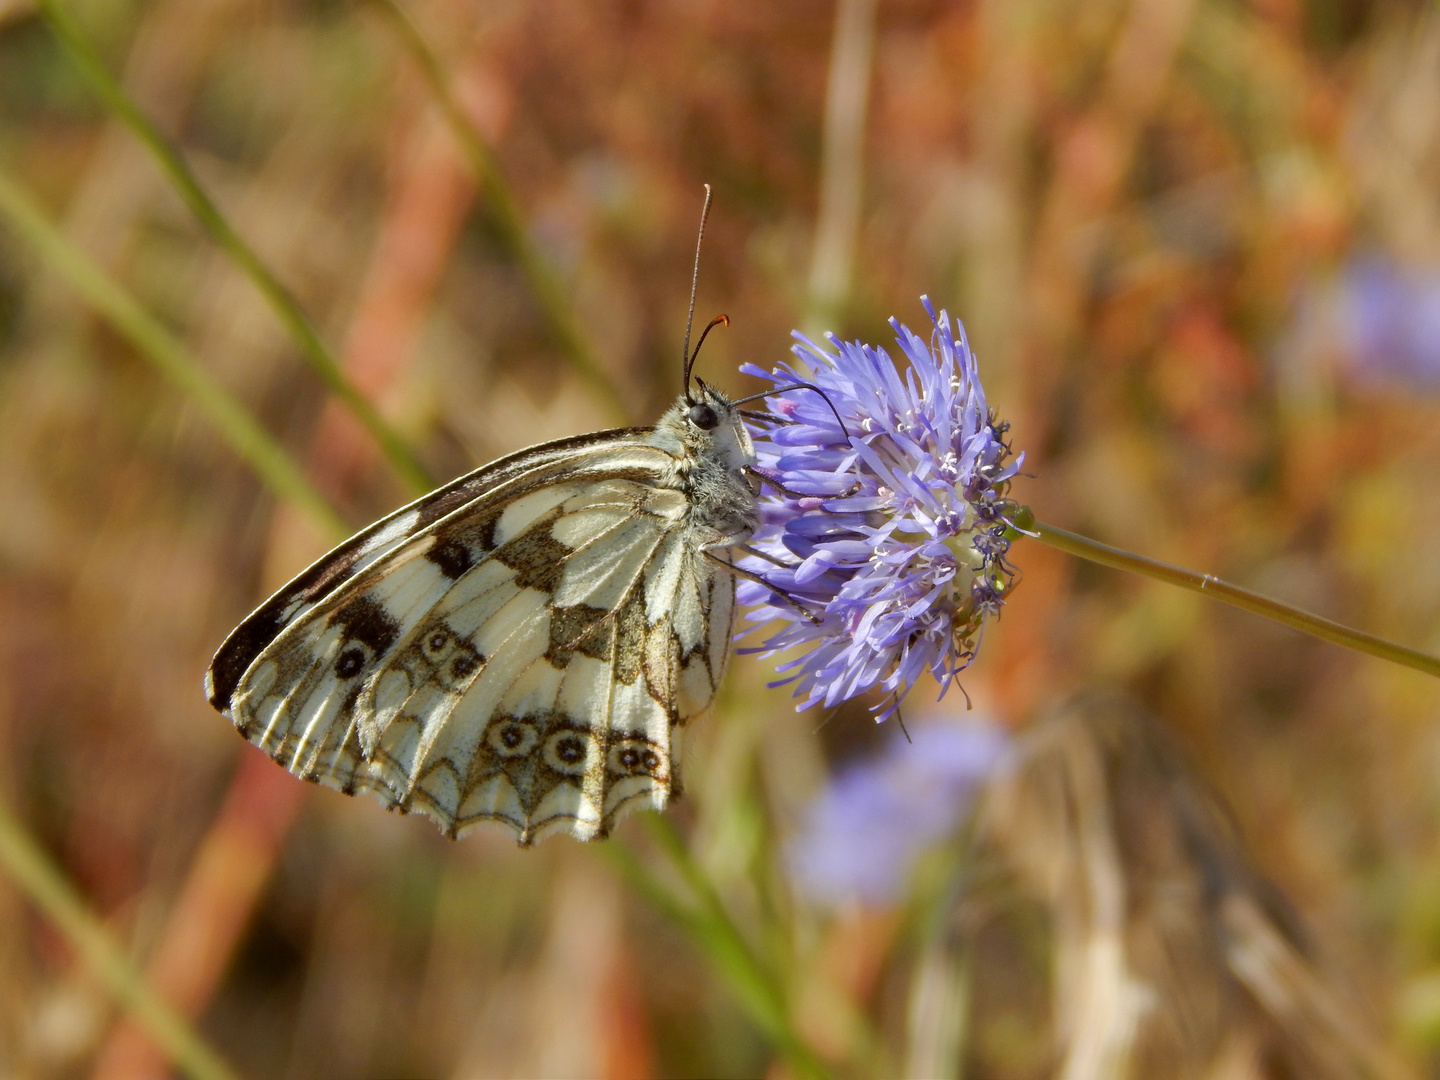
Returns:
point(1391, 316)
point(901, 548)
point(863, 834)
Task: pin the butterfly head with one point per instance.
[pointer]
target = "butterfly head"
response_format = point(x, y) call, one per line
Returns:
point(704, 426)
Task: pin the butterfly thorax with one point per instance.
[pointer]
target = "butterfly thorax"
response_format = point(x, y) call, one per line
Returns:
point(710, 465)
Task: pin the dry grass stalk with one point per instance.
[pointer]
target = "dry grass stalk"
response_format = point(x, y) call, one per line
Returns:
point(1173, 956)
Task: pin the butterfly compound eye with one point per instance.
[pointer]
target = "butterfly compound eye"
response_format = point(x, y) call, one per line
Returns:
point(703, 417)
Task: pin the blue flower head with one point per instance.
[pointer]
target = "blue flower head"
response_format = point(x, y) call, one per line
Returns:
point(863, 834)
point(1391, 320)
point(885, 536)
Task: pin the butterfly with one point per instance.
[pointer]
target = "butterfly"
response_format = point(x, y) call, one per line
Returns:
point(523, 645)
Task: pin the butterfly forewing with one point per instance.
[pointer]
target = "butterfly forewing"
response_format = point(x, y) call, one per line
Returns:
point(518, 647)
point(372, 544)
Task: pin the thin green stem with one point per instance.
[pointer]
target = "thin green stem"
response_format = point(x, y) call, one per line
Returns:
point(34, 872)
point(756, 988)
point(744, 967)
point(84, 56)
point(159, 347)
point(637, 875)
point(509, 221)
point(1209, 585)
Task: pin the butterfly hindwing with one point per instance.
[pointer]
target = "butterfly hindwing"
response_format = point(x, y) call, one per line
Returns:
point(519, 646)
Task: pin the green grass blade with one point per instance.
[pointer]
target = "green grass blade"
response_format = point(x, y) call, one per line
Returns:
point(543, 281)
point(757, 989)
point(78, 48)
point(159, 347)
point(46, 886)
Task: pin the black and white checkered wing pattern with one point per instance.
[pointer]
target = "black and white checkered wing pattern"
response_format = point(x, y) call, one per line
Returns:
point(520, 647)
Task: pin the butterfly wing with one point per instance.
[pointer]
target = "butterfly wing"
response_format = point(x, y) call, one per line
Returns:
point(519, 647)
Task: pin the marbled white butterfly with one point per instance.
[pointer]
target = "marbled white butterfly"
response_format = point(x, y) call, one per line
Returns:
point(523, 645)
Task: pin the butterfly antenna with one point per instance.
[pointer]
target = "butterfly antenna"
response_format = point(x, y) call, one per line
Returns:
point(716, 321)
point(694, 282)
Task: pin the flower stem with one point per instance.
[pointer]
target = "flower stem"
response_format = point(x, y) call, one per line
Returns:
point(1212, 586)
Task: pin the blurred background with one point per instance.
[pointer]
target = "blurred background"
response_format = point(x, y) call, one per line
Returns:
point(1196, 245)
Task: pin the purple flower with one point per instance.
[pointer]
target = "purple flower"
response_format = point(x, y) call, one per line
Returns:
point(890, 532)
point(1377, 317)
point(1392, 314)
point(862, 835)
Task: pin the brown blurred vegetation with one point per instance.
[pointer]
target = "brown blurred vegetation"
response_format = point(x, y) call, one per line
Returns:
point(1129, 203)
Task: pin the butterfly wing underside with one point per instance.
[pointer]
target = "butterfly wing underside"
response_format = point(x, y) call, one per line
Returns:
point(521, 646)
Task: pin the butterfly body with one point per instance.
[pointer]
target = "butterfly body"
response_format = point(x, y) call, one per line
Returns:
point(520, 646)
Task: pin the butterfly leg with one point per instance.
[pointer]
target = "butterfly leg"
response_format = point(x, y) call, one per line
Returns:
point(771, 559)
point(750, 575)
point(769, 481)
